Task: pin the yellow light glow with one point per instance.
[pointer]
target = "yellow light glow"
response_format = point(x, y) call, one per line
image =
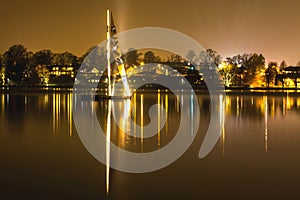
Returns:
point(266, 122)
point(108, 133)
point(167, 109)
point(158, 119)
point(134, 117)
point(142, 123)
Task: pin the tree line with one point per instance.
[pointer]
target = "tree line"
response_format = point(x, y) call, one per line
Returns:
point(242, 69)
point(22, 67)
point(18, 66)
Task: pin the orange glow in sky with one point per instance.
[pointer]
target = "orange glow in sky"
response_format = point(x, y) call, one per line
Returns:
point(270, 27)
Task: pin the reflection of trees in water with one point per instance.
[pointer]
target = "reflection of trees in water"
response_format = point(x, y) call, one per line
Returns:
point(253, 106)
point(19, 110)
point(246, 107)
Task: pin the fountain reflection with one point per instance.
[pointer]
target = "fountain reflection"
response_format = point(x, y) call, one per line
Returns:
point(108, 134)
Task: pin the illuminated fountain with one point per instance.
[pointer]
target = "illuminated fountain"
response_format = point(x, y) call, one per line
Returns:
point(114, 50)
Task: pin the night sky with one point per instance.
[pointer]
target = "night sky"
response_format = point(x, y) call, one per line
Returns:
point(270, 27)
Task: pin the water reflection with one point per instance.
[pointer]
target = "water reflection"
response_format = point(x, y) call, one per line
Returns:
point(133, 117)
point(258, 108)
point(222, 122)
point(265, 122)
point(23, 108)
point(108, 134)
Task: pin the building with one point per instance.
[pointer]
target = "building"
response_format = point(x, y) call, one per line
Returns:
point(291, 76)
point(57, 70)
point(61, 75)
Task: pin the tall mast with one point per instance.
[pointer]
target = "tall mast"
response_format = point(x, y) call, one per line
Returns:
point(108, 38)
point(116, 53)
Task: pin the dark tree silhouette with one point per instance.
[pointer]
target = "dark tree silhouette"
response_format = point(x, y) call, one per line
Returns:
point(252, 64)
point(149, 57)
point(175, 59)
point(30, 74)
point(15, 61)
point(270, 73)
point(191, 56)
point(2, 71)
point(43, 58)
point(282, 65)
point(131, 58)
point(66, 59)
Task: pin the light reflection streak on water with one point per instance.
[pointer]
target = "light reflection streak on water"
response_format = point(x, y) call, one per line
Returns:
point(7, 98)
point(158, 119)
point(57, 99)
point(192, 113)
point(142, 123)
point(237, 107)
point(128, 121)
point(288, 102)
point(283, 105)
point(69, 110)
point(266, 123)
point(108, 134)
point(53, 112)
point(2, 103)
point(222, 122)
point(134, 117)
point(25, 107)
point(177, 104)
point(167, 109)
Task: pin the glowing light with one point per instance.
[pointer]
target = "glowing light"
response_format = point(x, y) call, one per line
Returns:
point(289, 102)
point(222, 122)
point(53, 113)
point(108, 133)
point(288, 82)
point(108, 52)
point(167, 110)
point(3, 103)
point(266, 122)
point(237, 107)
point(70, 116)
point(142, 123)
point(192, 113)
point(134, 117)
point(158, 119)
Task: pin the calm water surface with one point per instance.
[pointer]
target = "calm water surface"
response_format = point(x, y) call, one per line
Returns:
point(257, 155)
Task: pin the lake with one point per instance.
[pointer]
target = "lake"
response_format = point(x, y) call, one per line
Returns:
point(256, 157)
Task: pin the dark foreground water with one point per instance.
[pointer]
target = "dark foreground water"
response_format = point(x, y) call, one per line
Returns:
point(257, 156)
